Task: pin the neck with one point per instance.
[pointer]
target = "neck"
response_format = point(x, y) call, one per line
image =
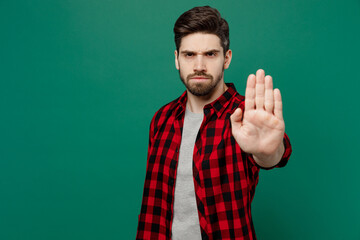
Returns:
point(196, 103)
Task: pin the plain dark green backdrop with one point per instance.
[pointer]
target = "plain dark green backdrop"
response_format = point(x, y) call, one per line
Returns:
point(81, 80)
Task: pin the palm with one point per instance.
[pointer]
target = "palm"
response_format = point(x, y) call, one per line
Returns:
point(261, 129)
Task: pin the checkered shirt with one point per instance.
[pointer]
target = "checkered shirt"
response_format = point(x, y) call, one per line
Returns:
point(224, 176)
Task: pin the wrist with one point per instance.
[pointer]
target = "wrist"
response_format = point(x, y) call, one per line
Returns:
point(269, 160)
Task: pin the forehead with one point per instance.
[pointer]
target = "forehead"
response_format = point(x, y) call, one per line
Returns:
point(200, 42)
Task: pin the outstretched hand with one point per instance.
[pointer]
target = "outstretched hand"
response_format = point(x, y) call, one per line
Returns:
point(259, 130)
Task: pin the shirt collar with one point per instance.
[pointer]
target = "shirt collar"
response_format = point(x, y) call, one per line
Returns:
point(218, 106)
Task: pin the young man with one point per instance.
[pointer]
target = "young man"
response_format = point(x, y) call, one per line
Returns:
point(207, 146)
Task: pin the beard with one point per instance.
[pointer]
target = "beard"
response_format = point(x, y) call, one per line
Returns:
point(201, 88)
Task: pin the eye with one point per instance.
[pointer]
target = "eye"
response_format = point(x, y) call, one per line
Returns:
point(211, 54)
point(189, 54)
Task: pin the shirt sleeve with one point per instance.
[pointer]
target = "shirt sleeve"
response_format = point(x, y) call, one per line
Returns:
point(151, 134)
point(284, 159)
point(143, 225)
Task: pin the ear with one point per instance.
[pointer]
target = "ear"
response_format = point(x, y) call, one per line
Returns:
point(176, 60)
point(228, 57)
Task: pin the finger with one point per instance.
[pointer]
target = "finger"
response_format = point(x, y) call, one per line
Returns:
point(236, 116)
point(250, 93)
point(269, 94)
point(260, 89)
point(278, 104)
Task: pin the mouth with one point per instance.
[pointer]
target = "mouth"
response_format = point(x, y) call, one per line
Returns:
point(199, 78)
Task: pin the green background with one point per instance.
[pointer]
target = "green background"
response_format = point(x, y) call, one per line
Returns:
point(81, 80)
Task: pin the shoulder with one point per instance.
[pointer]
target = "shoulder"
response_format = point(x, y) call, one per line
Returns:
point(164, 113)
point(238, 98)
point(237, 101)
point(231, 99)
point(166, 110)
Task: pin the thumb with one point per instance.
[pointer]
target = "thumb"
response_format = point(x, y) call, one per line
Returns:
point(236, 116)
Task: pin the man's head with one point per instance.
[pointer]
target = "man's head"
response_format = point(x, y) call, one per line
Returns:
point(202, 19)
point(202, 49)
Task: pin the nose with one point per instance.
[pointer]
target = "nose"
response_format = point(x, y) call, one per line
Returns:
point(199, 64)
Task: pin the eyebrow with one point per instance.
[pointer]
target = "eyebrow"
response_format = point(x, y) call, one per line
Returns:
point(188, 51)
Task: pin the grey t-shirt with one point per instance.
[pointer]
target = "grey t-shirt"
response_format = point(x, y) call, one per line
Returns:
point(186, 219)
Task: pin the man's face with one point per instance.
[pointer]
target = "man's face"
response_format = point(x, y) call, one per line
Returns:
point(201, 62)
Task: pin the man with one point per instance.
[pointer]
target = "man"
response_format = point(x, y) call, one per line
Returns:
point(207, 146)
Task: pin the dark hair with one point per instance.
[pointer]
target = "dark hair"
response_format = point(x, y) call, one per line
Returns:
point(202, 19)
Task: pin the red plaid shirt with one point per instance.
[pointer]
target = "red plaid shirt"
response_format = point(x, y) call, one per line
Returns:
point(224, 176)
